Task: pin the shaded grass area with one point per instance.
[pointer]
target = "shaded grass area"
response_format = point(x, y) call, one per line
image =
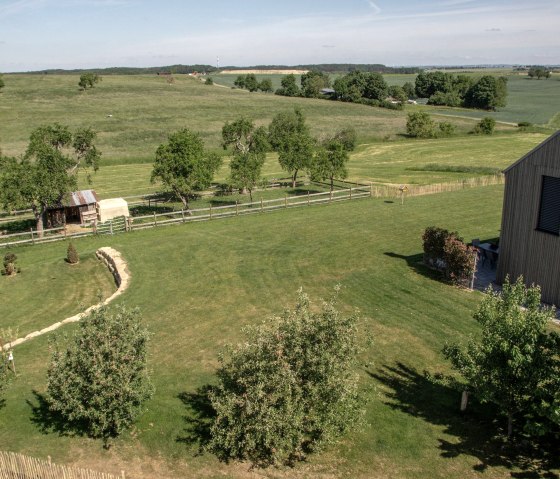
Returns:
point(199, 284)
point(476, 170)
point(48, 289)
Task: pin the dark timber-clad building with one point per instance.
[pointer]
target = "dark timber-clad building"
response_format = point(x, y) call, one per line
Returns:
point(530, 236)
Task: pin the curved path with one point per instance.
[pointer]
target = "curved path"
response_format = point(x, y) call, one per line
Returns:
point(118, 267)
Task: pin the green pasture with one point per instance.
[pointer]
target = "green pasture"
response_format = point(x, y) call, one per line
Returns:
point(199, 284)
point(394, 162)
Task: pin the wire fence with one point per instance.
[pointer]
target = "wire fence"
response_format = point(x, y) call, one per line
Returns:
point(18, 466)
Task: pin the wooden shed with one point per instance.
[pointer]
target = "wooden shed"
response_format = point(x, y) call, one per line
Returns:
point(79, 207)
point(530, 235)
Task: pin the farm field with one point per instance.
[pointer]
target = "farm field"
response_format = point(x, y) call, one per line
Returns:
point(199, 284)
point(145, 109)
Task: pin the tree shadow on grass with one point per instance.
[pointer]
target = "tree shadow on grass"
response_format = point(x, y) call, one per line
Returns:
point(49, 421)
point(479, 431)
point(199, 417)
point(415, 261)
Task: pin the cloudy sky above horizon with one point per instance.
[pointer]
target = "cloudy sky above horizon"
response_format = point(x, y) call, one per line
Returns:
point(40, 34)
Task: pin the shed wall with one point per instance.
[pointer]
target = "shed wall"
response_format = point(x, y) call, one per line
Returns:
point(524, 250)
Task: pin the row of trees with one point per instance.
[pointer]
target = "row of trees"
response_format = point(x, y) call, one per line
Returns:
point(442, 88)
point(419, 124)
point(250, 82)
point(184, 166)
point(538, 72)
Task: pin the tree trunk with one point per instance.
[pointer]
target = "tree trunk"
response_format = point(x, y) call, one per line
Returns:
point(39, 220)
point(510, 425)
point(185, 201)
point(251, 194)
point(294, 179)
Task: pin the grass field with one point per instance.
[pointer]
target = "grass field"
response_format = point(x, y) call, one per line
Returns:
point(199, 284)
point(145, 109)
point(393, 162)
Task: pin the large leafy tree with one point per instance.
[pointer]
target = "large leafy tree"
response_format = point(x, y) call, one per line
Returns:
point(184, 166)
point(248, 145)
point(49, 169)
point(514, 362)
point(101, 381)
point(290, 388)
point(331, 158)
point(488, 93)
point(376, 87)
point(290, 137)
point(313, 82)
point(419, 124)
point(288, 86)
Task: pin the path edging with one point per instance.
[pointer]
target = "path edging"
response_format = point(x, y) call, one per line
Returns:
point(119, 269)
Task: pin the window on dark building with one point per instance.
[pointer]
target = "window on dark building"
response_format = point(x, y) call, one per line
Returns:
point(549, 214)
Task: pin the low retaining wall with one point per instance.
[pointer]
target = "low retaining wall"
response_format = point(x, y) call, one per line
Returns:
point(118, 267)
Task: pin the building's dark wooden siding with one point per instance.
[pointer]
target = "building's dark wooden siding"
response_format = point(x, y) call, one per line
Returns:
point(524, 250)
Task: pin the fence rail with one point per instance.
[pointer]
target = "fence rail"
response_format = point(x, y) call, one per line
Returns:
point(239, 209)
point(18, 466)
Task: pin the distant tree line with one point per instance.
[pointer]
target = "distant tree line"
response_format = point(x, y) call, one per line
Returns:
point(538, 72)
point(442, 88)
point(251, 83)
point(183, 69)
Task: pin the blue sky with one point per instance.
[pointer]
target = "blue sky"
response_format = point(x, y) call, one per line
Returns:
point(39, 34)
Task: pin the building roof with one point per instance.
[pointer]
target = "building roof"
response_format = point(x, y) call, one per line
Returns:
point(112, 203)
point(538, 147)
point(83, 197)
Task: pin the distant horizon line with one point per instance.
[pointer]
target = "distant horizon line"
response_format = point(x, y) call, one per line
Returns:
point(283, 67)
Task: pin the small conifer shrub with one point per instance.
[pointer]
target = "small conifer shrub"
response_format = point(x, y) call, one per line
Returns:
point(72, 256)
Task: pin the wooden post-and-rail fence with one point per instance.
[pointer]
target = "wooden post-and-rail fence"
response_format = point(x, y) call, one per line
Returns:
point(238, 209)
point(18, 466)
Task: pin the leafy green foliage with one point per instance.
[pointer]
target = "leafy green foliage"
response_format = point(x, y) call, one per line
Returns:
point(446, 128)
point(514, 362)
point(398, 93)
point(290, 388)
point(288, 86)
point(266, 86)
point(249, 146)
point(10, 265)
point(409, 90)
point(313, 82)
point(331, 158)
point(488, 93)
point(485, 126)
point(101, 381)
point(88, 80)
point(419, 124)
point(209, 81)
point(433, 244)
point(538, 72)
point(184, 166)
point(48, 170)
point(72, 255)
point(290, 137)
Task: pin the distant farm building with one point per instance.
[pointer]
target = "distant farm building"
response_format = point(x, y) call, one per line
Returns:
point(530, 235)
point(79, 208)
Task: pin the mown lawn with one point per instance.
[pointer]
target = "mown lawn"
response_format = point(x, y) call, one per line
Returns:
point(199, 284)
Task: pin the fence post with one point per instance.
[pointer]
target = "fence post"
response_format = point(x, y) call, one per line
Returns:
point(210, 210)
point(111, 227)
point(32, 237)
point(261, 204)
point(307, 197)
point(155, 220)
point(330, 197)
point(95, 227)
point(370, 189)
point(183, 214)
point(236, 208)
point(285, 201)
point(65, 231)
point(350, 192)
